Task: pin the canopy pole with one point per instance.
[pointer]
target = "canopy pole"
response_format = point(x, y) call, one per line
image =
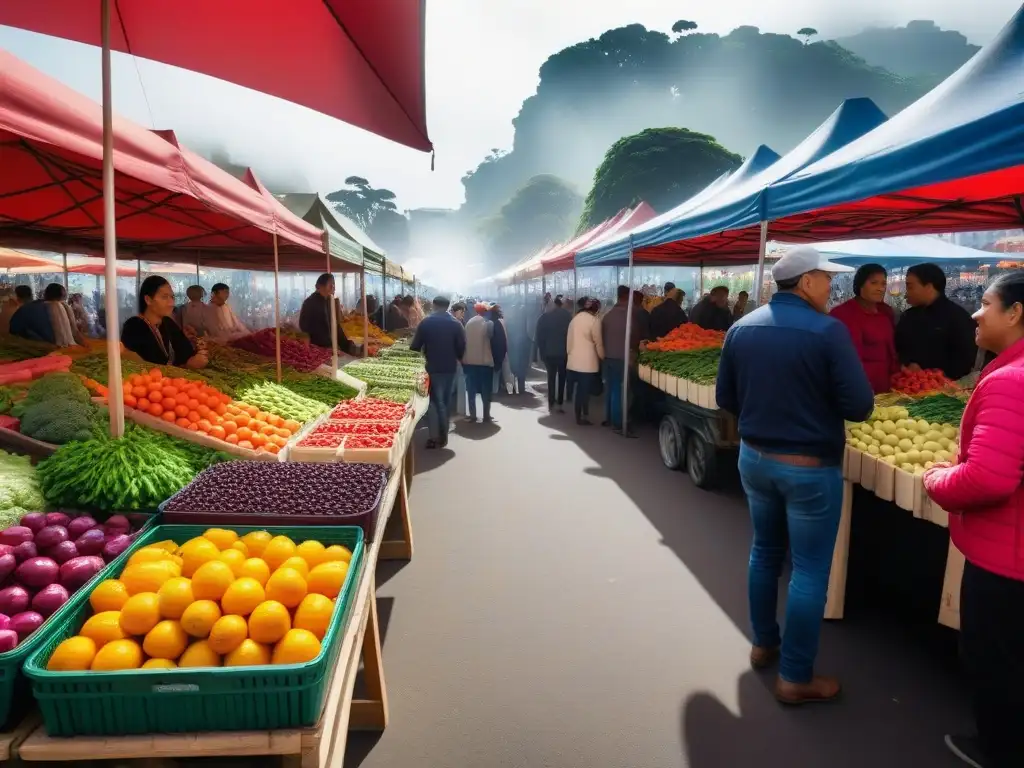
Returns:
point(197, 268)
point(65, 255)
point(277, 312)
point(115, 388)
point(366, 320)
point(334, 322)
point(383, 292)
point(629, 328)
point(138, 276)
point(759, 272)
point(575, 288)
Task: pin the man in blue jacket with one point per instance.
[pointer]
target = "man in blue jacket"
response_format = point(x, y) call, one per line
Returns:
point(790, 374)
point(442, 339)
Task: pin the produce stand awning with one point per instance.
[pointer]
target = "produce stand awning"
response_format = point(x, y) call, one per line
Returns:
point(361, 62)
point(10, 259)
point(170, 203)
point(563, 257)
point(951, 161)
point(909, 249)
point(707, 230)
point(615, 251)
point(314, 209)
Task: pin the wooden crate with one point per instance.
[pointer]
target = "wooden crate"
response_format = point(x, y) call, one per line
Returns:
point(885, 481)
point(909, 491)
point(949, 607)
point(868, 471)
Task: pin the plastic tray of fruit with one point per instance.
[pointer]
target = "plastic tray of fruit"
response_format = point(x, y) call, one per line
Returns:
point(150, 650)
point(317, 448)
point(369, 409)
point(371, 449)
point(286, 493)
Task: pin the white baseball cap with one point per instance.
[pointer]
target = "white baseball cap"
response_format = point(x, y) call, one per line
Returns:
point(801, 260)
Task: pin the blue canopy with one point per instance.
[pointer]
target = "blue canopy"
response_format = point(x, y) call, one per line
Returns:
point(615, 252)
point(971, 124)
point(898, 251)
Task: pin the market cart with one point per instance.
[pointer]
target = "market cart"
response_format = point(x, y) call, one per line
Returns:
point(693, 432)
point(315, 747)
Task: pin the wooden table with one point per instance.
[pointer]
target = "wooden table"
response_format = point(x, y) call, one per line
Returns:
point(317, 747)
point(906, 492)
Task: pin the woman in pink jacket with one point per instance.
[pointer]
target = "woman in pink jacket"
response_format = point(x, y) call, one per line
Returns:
point(984, 496)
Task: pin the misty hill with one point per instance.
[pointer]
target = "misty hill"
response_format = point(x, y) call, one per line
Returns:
point(744, 88)
point(921, 49)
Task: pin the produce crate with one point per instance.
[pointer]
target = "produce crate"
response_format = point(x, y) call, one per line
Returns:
point(15, 693)
point(365, 518)
point(143, 701)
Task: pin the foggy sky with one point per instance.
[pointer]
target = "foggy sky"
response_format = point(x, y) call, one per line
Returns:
point(482, 61)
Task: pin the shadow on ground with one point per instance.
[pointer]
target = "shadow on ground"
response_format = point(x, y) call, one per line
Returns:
point(902, 682)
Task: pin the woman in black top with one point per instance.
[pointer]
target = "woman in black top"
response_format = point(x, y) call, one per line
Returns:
point(153, 335)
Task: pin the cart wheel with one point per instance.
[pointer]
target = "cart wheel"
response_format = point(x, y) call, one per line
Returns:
point(671, 442)
point(701, 461)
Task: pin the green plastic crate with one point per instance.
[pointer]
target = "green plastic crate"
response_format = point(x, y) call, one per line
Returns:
point(189, 700)
point(15, 693)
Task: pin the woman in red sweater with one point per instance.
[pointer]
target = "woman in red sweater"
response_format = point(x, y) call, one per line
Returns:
point(984, 496)
point(872, 325)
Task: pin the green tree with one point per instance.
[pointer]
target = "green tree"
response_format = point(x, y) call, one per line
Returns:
point(662, 166)
point(376, 212)
point(807, 33)
point(542, 211)
point(683, 25)
point(361, 202)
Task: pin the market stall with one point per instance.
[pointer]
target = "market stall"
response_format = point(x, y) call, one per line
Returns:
point(388, 536)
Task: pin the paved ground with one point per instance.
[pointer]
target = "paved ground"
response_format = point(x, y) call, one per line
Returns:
point(573, 604)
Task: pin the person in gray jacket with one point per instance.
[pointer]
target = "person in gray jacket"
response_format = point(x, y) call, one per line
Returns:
point(478, 362)
point(552, 333)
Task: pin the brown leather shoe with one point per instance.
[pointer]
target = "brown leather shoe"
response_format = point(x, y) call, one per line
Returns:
point(762, 658)
point(819, 689)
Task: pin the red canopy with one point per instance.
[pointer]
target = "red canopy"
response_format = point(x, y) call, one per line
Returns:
point(614, 227)
point(563, 258)
point(170, 203)
point(361, 61)
point(17, 260)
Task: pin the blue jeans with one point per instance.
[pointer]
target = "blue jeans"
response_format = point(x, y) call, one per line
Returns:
point(479, 380)
point(442, 389)
point(803, 505)
point(613, 371)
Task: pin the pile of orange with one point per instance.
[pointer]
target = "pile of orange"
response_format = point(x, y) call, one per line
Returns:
point(216, 600)
point(198, 407)
point(688, 337)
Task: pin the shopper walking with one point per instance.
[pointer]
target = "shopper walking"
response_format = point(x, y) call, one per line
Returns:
point(499, 351)
point(984, 494)
point(442, 339)
point(478, 362)
point(585, 350)
point(712, 312)
point(617, 361)
point(791, 425)
point(552, 331)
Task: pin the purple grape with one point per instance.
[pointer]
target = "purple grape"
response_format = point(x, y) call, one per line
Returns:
point(289, 488)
